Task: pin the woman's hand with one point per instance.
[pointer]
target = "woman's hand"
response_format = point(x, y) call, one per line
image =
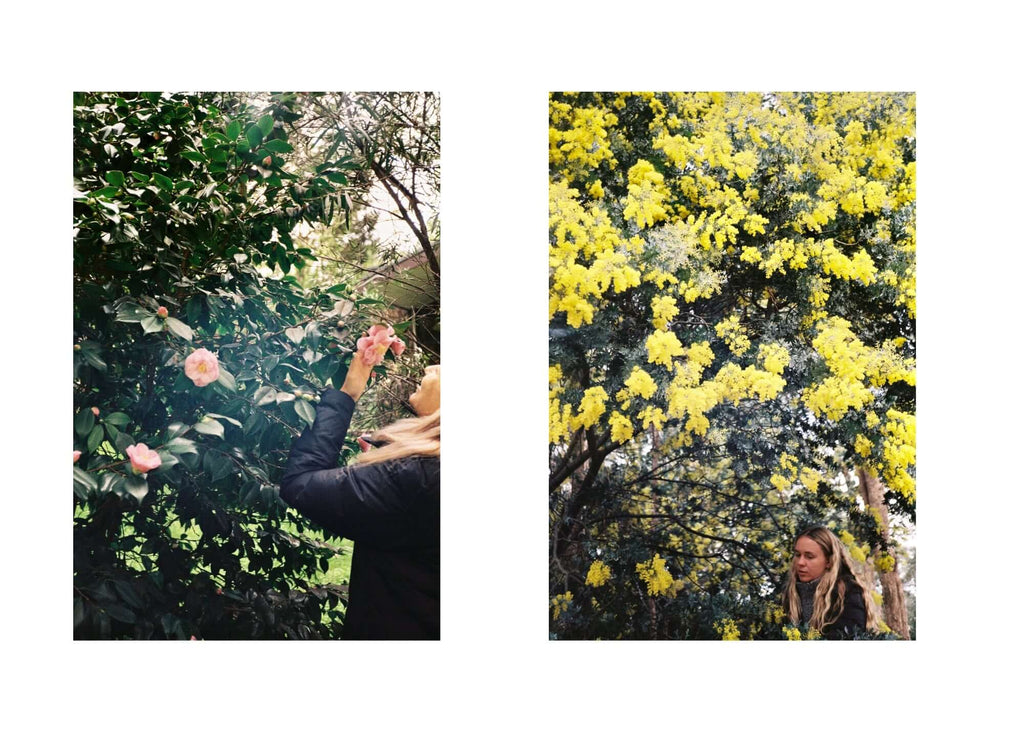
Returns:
point(356, 378)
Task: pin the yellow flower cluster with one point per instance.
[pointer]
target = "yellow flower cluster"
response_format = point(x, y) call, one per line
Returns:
point(653, 572)
point(730, 330)
point(583, 145)
point(774, 357)
point(851, 363)
point(646, 193)
point(640, 383)
point(885, 563)
point(587, 256)
point(899, 452)
point(662, 346)
point(728, 629)
point(560, 603)
point(663, 309)
point(774, 613)
point(731, 383)
point(559, 415)
point(598, 574)
point(621, 426)
point(591, 407)
point(791, 633)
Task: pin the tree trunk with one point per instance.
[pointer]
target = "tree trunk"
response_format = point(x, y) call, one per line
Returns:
point(894, 605)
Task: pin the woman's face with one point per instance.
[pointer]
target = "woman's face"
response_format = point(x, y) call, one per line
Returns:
point(427, 398)
point(809, 562)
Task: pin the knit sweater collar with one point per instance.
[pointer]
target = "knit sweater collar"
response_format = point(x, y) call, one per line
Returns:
point(806, 592)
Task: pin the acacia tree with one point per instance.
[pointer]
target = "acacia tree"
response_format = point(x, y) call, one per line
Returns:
point(184, 204)
point(732, 304)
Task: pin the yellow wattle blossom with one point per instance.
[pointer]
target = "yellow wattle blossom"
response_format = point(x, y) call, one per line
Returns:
point(733, 334)
point(640, 383)
point(792, 633)
point(621, 426)
point(591, 407)
point(885, 563)
point(728, 629)
point(598, 574)
point(774, 357)
point(653, 572)
point(560, 603)
point(663, 308)
point(662, 347)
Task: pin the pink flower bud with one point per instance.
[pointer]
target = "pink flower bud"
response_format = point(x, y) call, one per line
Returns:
point(161, 312)
point(96, 411)
point(398, 347)
point(201, 366)
point(363, 444)
point(77, 454)
point(143, 459)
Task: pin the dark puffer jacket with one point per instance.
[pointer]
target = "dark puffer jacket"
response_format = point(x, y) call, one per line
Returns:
point(391, 511)
point(853, 620)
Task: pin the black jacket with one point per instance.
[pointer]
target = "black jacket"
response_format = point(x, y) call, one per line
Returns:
point(854, 618)
point(391, 511)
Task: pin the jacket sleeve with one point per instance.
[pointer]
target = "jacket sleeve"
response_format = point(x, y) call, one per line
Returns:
point(364, 503)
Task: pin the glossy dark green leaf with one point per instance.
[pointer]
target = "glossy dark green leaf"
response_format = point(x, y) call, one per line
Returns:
point(179, 328)
point(84, 422)
point(119, 419)
point(115, 178)
point(233, 130)
point(84, 482)
point(253, 136)
point(266, 124)
point(122, 441)
point(305, 410)
point(226, 379)
point(209, 427)
point(137, 486)
point(194, 155)
point(181, 445)
point(226, 419)
point(277, 146)
point(295, 335)
point(152, 324)
point(94, 439)
point(265, 395)
point(163, 181)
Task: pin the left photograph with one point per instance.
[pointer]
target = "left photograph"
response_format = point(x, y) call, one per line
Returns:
point(257, 380)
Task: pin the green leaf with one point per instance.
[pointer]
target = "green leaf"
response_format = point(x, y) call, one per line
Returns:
point(295, 335)
point(336, 177)
point(129, 312)
point(278, 146)
point(167, 460)
point(265, 395)
point(84, 422)
point(122, 441)
point(137, 486)
point(194, 155)
point(181, 446)
point(211, 427)
point(115, 178)
point(152, 324)
point(119, 419)
point(95, 361)
point(266, 124)
point(176, 429)
point(217, 465)
point(94, 439)
point(227, 419)
point(226, 380)
point(85, 483)
point(179, 329)
point(164, 182)
point(141, 177)
point(233, 130)
point(253, 136)
point(284, 396)
point(305, 410)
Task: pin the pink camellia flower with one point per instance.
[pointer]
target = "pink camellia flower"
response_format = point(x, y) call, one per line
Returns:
point(201, 366)
point(96, 411)
point(161, 312)
point(376, 343)
point(143, 459)
point(78, 454)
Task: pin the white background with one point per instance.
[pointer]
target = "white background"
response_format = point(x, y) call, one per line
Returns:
point(493, 65)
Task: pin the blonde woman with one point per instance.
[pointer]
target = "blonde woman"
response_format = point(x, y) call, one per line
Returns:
point(388, 502)
point(822, 590)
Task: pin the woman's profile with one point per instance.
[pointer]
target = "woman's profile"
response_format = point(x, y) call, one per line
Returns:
point(388, 502)
point(822, 591)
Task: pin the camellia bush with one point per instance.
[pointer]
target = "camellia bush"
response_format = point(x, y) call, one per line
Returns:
point(194, 369)
point(732, 351)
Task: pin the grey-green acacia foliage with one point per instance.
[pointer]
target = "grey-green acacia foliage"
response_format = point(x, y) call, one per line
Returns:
point(182, 204)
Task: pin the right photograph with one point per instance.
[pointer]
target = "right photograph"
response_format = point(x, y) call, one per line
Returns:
point(731, 365)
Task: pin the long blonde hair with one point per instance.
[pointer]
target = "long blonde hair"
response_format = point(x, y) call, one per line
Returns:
point(830, 595)
point(406, 438)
